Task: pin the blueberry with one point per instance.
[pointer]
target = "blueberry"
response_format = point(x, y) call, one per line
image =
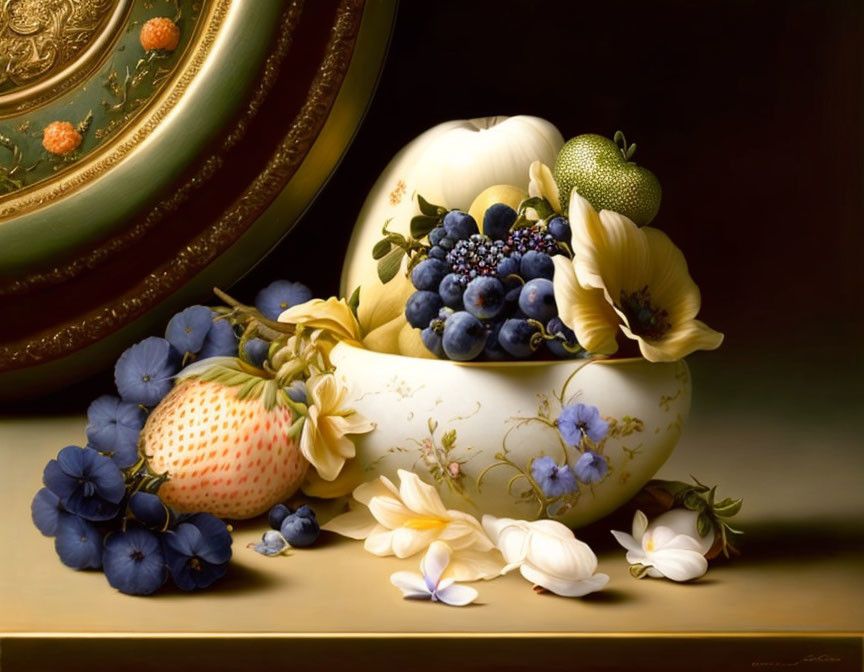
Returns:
point(464, 336)
point(451, 290)
point(432, 340)
point(444, 313)
point(497, 221)
point(518, 338)
point(484, 297)
point(536, 265)
point(437, 252)
point(305, 511)
point(436, 234)
point(255, 351)
point(559, 227)
point(300, 530)
point(459, 225)
point(537, 300)
point(508, 266)
point(278, 514)
point(447, 243)
point(421, 308)
point(296, 392)
point(428, 274)
point(493, 350)
point(564, 334)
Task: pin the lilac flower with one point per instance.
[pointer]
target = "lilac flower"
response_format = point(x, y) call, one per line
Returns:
point(590, 467)
point(45, 511)
point(86, 483)
point(220, 342)
point(187, 330)
point(198, 551)
point(149, 510)
point(145, 372)
point(579, 421)
point(280, 295)
point(113, 426)
point(134, 562)
point(78, 542)
point(552, 479)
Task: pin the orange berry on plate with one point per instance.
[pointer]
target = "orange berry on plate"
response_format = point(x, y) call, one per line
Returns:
point(61, 137)
point(160, 33)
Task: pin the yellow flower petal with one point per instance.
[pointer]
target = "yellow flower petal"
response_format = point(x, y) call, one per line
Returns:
point(386, 337)
point(542, 183)
point(411, 345)
point(679, 342)
point(670, 283)
point(585, 311)
point(380, 304)
point(419, 496)
point(356, 524)
point(332, 315)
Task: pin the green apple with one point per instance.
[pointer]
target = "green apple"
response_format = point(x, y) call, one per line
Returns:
point(601, 171)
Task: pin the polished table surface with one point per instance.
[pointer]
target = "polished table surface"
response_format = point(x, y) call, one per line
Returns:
point(800, 572)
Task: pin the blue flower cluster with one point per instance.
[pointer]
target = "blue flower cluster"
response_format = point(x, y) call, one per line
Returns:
point(291, 529)
point(104, 517)
point(580, 426)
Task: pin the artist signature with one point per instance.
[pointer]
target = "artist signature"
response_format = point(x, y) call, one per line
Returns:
point(809, 659)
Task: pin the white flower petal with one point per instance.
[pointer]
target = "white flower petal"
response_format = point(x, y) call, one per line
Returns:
point(380, 541)
point(411, 584)
point(406, 542)
point(356, 524)
point(420, 497)
point(435, 561)
point(377, 487)
point(513, 544)
point(390, 512)
point(680, 565)
point(493, 525)
point(627, 541)
point(456, 595)
point(566, 587)
point(640, 524)
point(637, 557)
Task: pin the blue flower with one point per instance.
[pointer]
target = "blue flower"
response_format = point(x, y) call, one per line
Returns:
point(578, 421)
point(45, 511)
point(78, 542)
point(590, 467)
point(145, 372)
point(220, 342)
point(280, 295)
point(187, 330)
point(256, 350)
point(198, 551)
point(113, 426)
point(149, 510)
point(134, 562)
point(552, 479)
point(87, 483)
point(271, 544)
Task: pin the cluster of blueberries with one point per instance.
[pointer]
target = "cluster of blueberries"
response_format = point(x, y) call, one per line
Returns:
point(290, 529)
point(490, 296)
point(99, 502)
point(102, 517)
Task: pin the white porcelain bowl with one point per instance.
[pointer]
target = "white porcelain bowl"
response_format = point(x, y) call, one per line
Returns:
point(473, 429)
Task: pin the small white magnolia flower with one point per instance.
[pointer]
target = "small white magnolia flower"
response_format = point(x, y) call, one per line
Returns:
point(430, 585)
point(669, 547)
point(547, 554)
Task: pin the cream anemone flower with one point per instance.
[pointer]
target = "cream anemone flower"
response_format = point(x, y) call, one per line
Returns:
point(542, 184)
point(548, 554)
point(628, 278)
point(407, 520)
point(323, 441)
point(670, 546)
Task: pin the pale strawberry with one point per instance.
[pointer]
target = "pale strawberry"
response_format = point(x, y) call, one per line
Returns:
point(223, 437)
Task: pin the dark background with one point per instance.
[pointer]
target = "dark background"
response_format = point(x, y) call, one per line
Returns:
point(749, 112)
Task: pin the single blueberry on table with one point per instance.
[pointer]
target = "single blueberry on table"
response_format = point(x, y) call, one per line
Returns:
point(464, 336)
point(559, 227)
point(590, 467)
point(497, 221)
point(280, 295)
point(198, 551)
point(536, 265)
point(300, 530)
point(433, 340)
point(422, 307)
point(145, 372)
point(578, 421)
point(78, 543)
point(451, 290)
point(306, 511)
point(552, 479)
point(518, 337)
point(113, 426)
point(187, 330)
point(459, 225)
point(45, 511)
point(149, 510)
point(428, 274)
point(484, 297)
point(87, 483)
point(255, 351)
point(221, 341)
point(277, 514)
point(537, 300)
point(134, 561)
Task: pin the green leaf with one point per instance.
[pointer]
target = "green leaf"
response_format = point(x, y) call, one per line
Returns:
point(541, 205)
point(382, 247)
point(388, 267)
point(354, 301)
point(421, 225)
point(429, 209)
point(448, 440)
point(728, 508)
point(694, 502)
point(639, 571)
point(704, 524)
